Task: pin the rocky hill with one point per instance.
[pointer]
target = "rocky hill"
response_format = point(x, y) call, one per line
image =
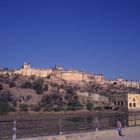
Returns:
point(43, 94)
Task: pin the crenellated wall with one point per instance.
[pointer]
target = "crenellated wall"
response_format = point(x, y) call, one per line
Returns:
point(58, 72)
point(72, 75)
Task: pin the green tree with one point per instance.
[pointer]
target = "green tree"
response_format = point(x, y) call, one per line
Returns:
point(5, 108)
point(53, 102)
point(90, 106)
point(39, 86)
point(24, 107)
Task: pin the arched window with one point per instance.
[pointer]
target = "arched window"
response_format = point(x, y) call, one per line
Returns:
point(134, 104)
point(130, 105)
point(121, 103)
point(118, 103)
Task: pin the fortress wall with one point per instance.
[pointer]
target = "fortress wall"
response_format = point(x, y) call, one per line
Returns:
point(33, 71)
point(18, 71)
point(85, 77)
point(134, 84)
point(26, 72)
point(41, 72)
point(72, 76)
point(99, 78)
point(88, 77)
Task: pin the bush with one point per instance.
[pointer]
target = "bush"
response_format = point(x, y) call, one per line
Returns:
point(35, 108)
point(5, 96)
point(12, 84)
point(13, 109)
point(99, 108)
point(24, 107)
point(54, 85)
point(46, 88)
point(4, 107)
point(27, 85)
point(1, 87)
point(47, 108)
point(39, 86)
point(75, 105)
point(53, 102)
point(90, 106)
point(55, 108)
point(53, 99)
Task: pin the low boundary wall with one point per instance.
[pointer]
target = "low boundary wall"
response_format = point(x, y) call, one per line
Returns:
point(88, 135)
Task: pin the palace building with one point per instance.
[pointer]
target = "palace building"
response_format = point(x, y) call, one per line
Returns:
point(59, 73)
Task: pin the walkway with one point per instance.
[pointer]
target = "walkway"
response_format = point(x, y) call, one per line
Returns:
point(126, 137)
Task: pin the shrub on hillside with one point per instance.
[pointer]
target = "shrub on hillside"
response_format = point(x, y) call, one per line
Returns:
point(46, 87)
point(99, 108)
point(73, 101)
point(35, 108)
point(1, 87)
point(73, 106)
point(47, 108)
point(52, 99)
point(24, 107)
point(12, 84)
point(90, 106)
point(54, 85)
point(5, 107)
point(53, 102)
point(39, 86)
point(5, 96)
point(27, 85)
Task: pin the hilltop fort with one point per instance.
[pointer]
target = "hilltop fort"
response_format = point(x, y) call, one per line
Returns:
point(58, 73)
point(45, 89)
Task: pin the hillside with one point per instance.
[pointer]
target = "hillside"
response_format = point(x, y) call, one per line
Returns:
point(43, 94)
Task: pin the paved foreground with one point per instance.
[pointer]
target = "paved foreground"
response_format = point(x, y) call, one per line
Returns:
point(126, 137)
point(131, 133)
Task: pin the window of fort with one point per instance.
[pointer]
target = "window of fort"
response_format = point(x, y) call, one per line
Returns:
point(130, 105)
point(134, 104)
point(122, 103)
point(118, 103)
point(115, 103)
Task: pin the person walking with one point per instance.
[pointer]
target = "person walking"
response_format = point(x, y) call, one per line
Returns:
point(119, 127)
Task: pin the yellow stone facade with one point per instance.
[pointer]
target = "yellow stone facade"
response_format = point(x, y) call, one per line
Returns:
point(126, 83)
point(26, 70)
point(133, 101)
point(71, 75)
point(129, 101)
point(58, 72)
